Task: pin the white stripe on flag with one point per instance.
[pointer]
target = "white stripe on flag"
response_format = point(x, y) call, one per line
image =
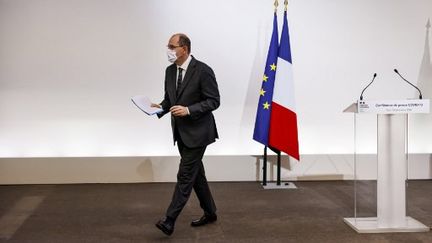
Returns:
point(283, 93)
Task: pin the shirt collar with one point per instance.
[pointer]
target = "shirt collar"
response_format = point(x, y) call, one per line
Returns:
point(185, 65)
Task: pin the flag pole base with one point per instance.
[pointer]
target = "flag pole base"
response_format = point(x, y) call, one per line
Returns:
point(283, 185)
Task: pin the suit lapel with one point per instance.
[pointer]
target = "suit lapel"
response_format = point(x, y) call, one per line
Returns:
point(172, 84)
point(189, 73)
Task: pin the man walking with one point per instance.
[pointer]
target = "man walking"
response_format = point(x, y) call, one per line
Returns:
point(191, 94)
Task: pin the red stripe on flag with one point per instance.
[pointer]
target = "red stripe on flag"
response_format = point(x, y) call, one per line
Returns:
point(283, 130)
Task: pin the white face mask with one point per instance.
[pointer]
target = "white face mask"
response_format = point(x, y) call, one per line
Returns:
point(172, 57)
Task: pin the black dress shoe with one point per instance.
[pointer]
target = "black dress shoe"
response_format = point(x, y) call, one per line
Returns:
point(206, 219)
point(165, 226)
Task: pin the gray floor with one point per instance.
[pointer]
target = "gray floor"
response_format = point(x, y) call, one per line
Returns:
point(127, 212)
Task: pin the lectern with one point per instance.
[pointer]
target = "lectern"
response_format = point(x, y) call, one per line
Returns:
point(392, 130)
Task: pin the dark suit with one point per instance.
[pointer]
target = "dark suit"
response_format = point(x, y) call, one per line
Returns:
point(199, 92)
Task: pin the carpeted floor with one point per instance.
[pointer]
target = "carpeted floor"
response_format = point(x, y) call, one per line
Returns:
point(127, 212)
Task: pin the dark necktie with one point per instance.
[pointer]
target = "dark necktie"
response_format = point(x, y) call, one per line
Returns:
point(179, 80)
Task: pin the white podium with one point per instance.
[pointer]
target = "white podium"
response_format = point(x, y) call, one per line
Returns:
point(392, 131)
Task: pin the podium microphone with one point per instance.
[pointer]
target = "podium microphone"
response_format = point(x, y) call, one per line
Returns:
point(361, 95)
point(420, 94)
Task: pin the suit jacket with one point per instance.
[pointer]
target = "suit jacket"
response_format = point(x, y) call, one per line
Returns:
point(199, 92)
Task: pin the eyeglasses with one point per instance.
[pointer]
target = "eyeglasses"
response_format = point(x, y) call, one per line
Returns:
point(172, 47)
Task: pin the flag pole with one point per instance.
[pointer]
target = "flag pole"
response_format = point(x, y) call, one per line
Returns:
point(278, 182)
point(264, 168)
point(264, 183)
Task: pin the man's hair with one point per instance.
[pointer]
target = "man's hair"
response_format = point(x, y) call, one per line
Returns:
point(184, 41)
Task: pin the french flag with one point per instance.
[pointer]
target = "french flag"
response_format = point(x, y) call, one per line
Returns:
point(283, 133)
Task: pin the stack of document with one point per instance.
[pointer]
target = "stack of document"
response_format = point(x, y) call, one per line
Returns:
point(144, 103)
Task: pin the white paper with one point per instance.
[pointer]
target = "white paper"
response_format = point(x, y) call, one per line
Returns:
point(144, 103)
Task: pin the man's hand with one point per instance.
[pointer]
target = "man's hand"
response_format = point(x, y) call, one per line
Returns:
point(156, 105)
point(179, 110)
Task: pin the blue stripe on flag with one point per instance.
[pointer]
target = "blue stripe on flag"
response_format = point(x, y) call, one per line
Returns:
point(285, 49)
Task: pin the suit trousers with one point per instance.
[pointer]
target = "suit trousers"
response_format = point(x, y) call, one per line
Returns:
point(191, 175)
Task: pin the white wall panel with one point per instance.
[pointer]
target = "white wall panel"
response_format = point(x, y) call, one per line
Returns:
point(69, 67)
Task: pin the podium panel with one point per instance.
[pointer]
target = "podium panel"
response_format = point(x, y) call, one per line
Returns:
point(392, 170)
